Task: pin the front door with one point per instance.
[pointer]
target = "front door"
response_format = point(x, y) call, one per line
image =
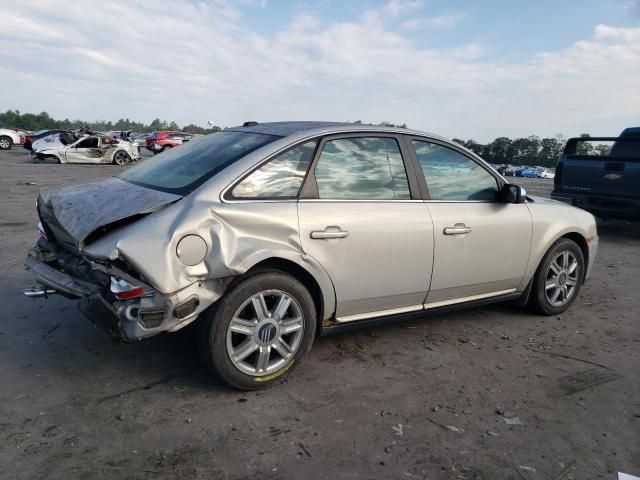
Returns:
point(481, 243)
point(86, 150)
point(359, 221)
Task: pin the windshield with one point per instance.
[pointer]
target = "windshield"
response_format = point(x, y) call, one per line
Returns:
point(182, 169)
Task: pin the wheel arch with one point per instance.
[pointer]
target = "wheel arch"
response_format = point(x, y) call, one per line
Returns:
point(582, 243)
point(299, 273)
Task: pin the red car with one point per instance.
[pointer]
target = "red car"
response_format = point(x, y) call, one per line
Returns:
point(160, 141)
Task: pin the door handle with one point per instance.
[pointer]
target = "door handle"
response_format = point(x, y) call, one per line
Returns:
point(457, 229)
point(329, 233)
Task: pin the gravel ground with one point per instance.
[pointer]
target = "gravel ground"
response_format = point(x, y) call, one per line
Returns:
point(486, 393)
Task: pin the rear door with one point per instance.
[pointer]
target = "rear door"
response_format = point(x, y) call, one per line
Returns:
point(361, 218)
point(481, 243)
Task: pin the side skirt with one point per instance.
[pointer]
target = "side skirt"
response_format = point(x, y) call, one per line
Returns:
point(420, 314)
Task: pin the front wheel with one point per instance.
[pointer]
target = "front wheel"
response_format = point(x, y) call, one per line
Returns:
point(5, 143)
point(558, 279)
point(260, 329)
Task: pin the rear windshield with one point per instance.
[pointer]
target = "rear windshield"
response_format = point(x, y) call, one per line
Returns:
point(182, 169)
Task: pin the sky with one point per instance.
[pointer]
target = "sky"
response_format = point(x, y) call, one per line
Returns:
point(465, 69)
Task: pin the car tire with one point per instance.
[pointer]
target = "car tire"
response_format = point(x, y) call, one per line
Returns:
point(166, 147)
point(5, 142)
point(251, 349)
point(121, 158)
point(557, 281)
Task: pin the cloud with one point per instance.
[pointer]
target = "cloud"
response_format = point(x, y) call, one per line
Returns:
point(200, 61)
point(437, 22)
point(396, 8)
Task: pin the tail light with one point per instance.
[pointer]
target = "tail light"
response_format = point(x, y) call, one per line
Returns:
point(123, 290)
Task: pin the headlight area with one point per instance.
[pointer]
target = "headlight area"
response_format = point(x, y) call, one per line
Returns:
point(141, 311)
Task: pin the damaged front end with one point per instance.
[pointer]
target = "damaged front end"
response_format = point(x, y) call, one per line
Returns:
point(112, 294)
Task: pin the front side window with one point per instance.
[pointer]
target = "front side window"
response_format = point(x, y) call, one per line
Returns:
point(280, 177)
point(180, 170)
point(453, 176)
point(362, 168)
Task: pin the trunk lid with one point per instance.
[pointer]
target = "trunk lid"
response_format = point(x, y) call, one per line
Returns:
point(76, 215)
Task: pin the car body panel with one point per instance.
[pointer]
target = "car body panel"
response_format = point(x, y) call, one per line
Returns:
point(388, 250)
point(491, 258)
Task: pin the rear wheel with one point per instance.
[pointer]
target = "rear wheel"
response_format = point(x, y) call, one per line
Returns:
point(558, 279)
point(166, 147)
point(5, 143)
point(121, 158)
point(259, 330)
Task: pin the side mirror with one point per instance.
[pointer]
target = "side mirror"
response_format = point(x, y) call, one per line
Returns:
point(513, 193)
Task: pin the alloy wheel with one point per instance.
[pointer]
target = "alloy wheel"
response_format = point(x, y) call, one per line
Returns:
point(562, 278)
point(4, 143)
point(265, 332)
point(121, 158)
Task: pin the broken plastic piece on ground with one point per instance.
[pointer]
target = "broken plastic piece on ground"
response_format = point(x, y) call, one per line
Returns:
point(626, 476)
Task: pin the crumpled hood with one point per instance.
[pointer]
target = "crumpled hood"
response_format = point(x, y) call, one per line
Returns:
point(80, 210)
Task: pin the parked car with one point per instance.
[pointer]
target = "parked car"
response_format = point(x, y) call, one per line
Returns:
point(9, 138)
point(70, 147)
point(140, 139)
point(528, 172)
point(160, 141)
point(505, 170)
point(35, 136)
point(606, 185)
point(545, 173)
point(272, 234)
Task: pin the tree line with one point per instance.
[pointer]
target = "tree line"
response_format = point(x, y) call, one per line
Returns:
point(531, 150)
point(43, 121)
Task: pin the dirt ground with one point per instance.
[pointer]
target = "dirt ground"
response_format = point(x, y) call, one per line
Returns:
point(486, 393)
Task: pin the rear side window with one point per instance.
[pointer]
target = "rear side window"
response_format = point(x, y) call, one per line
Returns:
point(361, 168)
point(91, 142)
point(281, 177)
point(453, 176)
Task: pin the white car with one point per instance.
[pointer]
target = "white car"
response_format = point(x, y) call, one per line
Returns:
point(9, 138)
point(70, 148)
point(546, 173)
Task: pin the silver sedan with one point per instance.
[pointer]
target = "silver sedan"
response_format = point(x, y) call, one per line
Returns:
point(268, 235)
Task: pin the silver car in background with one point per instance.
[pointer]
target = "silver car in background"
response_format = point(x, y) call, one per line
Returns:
point(270, 234)
point(70, 147)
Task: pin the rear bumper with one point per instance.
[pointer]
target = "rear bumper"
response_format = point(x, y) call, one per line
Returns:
point(601, 205)
point(132, 319)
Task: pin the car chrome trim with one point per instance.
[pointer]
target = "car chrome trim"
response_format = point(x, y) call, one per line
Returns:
point(468, 299)
point(379, 313)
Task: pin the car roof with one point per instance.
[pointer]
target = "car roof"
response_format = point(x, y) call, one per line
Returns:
point(286, 129)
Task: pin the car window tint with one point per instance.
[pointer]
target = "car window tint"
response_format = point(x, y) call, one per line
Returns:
point(280, 177)
point(362, 168)
point(453, 176)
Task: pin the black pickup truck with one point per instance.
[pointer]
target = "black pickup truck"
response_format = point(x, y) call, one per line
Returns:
point(606, 185)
